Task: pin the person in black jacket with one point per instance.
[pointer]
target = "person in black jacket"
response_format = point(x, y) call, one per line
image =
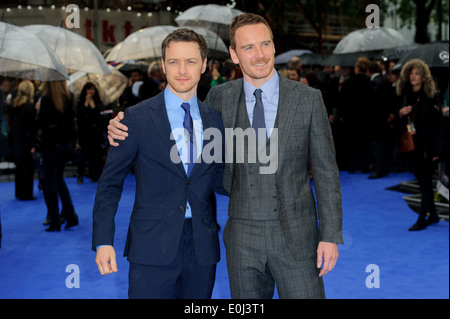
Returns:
point(21, 136)
point(421, 115)
point(381, 115)
point(154, 84)
point(355, 94)
point(56, 122)
point(89, 132)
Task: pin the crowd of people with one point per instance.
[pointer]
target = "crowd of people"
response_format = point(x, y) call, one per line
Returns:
point(369, 106)
point(373, 108)
point(46, 129)
point(363, 105)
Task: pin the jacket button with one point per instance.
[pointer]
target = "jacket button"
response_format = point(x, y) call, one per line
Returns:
point(182, 208)
point(189, 182)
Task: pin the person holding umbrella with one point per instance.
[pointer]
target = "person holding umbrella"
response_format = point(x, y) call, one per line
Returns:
point(421, 116)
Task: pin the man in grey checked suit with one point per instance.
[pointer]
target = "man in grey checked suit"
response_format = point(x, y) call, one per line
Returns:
point(275, 234)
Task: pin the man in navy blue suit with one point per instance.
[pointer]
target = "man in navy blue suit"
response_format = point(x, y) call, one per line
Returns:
point(172, 243)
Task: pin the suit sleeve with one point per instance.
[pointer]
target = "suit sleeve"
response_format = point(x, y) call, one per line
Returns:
point(325, 174)
point(110, 185)
point(212, 99)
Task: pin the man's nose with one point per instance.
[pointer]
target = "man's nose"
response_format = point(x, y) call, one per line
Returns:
point(182, 68)
point(259, 52)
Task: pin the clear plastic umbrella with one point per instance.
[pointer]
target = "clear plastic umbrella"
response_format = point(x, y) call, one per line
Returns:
point(140, 45)
point(370, 39)
point(110, 86)
point(146, 44)
point(211, 16)
point(74, 51)
point(216, 47)
point(25, 55)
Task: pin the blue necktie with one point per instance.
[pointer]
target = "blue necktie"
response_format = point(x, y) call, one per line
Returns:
point(189, 126)
point(258, 113)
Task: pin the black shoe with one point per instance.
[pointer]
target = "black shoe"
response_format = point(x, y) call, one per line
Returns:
point(72, 221)
point(432, 219)
point(419, 225)
point(376, 175)
point(26, 198)
point(54, 227)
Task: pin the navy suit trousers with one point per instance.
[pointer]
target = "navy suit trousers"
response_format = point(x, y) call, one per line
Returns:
point(182, 279)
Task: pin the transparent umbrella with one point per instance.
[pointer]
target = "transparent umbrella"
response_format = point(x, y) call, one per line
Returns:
point(74, 51)
point(146, 44)
point(370, 39)
point(110, 86)
point(140, 45)
point(216, 47)
point(25, 55)
point(211, 16)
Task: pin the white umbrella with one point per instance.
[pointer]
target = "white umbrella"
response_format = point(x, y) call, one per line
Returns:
point(142, 44)
point(211, 16)
point(25, 55)
point(370, 39)
point(110, 86)
point(75, 52)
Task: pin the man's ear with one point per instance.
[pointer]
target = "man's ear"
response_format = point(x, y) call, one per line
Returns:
point(205, 63)
point(233, 55)
point(162, 66)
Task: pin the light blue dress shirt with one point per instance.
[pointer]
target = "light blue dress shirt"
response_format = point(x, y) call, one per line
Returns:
point(270, 95)
point(175, 114)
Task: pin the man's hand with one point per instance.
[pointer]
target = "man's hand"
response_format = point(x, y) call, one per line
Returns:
point(116, 130)
point(106, 260)
point(328, 253)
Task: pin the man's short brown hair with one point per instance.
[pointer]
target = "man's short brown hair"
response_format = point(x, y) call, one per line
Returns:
point(185, 35)
point(242, 20)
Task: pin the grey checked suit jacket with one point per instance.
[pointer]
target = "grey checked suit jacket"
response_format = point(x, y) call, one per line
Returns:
point(303, 131)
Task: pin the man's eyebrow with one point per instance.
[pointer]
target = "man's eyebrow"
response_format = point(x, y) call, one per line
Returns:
point(186, 59)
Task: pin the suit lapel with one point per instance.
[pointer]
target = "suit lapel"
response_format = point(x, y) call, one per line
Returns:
point(285, 115)
point(234, 97)
point(207, 122)
point(161, 125)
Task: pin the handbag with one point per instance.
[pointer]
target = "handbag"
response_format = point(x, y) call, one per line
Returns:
point(406, 143)
point(406, 140)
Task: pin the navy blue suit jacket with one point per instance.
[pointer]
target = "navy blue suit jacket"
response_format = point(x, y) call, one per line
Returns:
point(162, 189)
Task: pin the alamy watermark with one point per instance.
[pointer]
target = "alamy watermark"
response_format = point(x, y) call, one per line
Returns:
point(73, 19)
point(373, 279)
point(241, 146)
point(73, 279)
point(373, 19)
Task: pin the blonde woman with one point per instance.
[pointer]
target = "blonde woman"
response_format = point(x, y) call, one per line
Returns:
point(21, 138)
point(56, 123)
point(421, 115)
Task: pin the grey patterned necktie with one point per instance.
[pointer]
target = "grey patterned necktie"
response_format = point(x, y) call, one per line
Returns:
point(258, 113)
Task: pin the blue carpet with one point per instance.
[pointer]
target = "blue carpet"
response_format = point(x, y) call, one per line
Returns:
point(410, 265)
